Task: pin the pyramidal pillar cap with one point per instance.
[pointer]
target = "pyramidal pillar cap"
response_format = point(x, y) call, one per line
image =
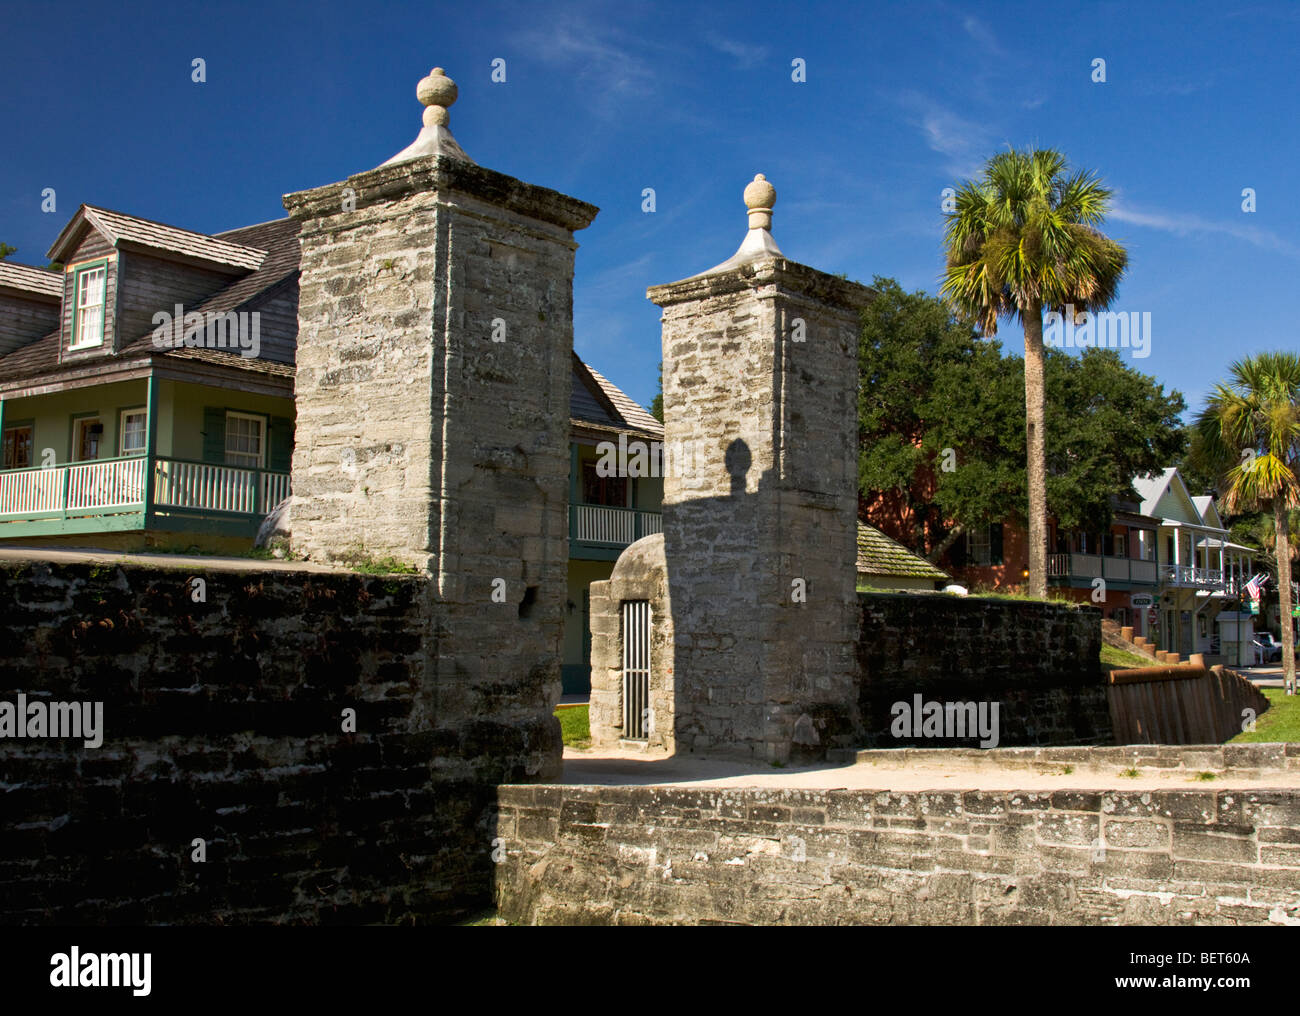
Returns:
point(437, 92)
point(760, 197)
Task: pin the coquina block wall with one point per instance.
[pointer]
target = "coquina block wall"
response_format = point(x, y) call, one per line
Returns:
point(224, 722)
point(435, 344)
point(1038, 661)
point(669, 855)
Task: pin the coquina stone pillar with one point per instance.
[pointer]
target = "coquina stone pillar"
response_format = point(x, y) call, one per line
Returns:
point(435, 336)
point(759, 517)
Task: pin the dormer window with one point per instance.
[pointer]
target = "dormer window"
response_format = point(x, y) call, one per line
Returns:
point(88, 314)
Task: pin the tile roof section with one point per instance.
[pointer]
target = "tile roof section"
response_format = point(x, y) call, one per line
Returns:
point(31, 279)
point(118, 226)
point(879, 555)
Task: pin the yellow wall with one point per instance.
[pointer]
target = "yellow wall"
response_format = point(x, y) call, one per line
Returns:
point(581, 575)
point(52, 415)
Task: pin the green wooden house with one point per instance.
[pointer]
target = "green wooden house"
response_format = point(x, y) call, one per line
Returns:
point(146, 389)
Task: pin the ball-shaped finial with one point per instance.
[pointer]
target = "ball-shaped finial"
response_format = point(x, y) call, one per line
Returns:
point(437, 89)
point(760, 196)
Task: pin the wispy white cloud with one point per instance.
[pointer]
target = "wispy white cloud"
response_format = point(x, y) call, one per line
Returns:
point(1190, 224)
point(607, 66)
point(745, 54)
point(965, 144)
point(983, 36)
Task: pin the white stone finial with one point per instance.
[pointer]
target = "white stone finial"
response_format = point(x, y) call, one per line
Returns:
point(760, 196)
point(437, 92)
point(758, 244)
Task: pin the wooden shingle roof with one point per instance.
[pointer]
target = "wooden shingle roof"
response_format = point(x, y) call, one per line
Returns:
point(879, 555)
point(31, 280)
point(119, 227)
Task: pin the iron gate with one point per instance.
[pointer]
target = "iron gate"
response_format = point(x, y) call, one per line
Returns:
point(637, 721)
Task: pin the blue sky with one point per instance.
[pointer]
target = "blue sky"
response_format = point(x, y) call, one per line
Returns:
point(603, 100)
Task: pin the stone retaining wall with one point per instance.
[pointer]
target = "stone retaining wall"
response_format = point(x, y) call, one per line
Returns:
point(223, 722)
point(668, 855)
point(1038, 661)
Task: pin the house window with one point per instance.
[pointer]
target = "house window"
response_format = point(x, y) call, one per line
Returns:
point(133, 432)
point(978, 546)
point(18, 448)
point(1121, 545)
point(88, 324)
point(604, 490)
point(88, 435)
point(245, 440)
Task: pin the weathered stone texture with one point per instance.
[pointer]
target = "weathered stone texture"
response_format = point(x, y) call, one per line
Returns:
point(1039, 661)
point(434, 366)
point(223, 721)
point(664, 855)
point(759, 524)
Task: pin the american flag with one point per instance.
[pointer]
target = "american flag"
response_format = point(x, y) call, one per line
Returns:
point(1256, 585)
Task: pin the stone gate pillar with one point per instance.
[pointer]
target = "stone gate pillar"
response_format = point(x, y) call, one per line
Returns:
point(760, 493)
point(435, 336)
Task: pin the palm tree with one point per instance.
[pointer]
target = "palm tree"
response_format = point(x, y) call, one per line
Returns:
point(1021, 240)
point(1250, 427)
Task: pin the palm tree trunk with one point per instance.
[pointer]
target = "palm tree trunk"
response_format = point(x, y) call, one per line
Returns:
point(1036, 447)
point(1282, 527)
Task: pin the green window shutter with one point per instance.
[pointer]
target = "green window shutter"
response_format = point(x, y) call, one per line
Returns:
point(281, 453)
point(214, 435)
point(995, 543)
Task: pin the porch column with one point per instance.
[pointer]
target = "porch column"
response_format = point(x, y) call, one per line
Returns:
point(150, 444)
point(2, 432)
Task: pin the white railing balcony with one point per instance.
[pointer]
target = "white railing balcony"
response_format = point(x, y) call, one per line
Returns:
point(610, 526)
point(117, 487)
point(1098, 566)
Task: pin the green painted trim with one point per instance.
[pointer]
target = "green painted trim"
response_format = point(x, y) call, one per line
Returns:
point(58, 526)
point(579, 551)
point(243, 525)
point(90, 266)
point(150, 440)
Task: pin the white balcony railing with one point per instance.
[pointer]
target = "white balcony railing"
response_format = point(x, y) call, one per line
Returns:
point(1095, 566)
point(617, 527)
point(117, 486)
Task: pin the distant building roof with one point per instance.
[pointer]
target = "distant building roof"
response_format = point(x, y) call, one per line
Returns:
point(31, 280)
point(598, 402)
point(879, 555)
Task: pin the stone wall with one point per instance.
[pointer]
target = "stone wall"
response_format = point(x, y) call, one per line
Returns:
point(223, 721)
point(666, 855)
point(1038, 661)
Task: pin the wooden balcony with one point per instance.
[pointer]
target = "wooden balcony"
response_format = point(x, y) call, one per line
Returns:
point(1083, 568)
point(600, 532)
point(114, 494)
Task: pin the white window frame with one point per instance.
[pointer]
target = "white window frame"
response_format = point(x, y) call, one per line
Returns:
point(261, 440)
point(142, 411)
point(79, 308)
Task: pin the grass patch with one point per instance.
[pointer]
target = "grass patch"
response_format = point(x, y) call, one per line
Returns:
point(1130, 773)
point(1117, 659)
point(1280, 723)
point(1205, 776)
point(575, 726)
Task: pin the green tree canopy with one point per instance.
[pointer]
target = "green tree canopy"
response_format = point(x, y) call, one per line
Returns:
point(929, 384)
